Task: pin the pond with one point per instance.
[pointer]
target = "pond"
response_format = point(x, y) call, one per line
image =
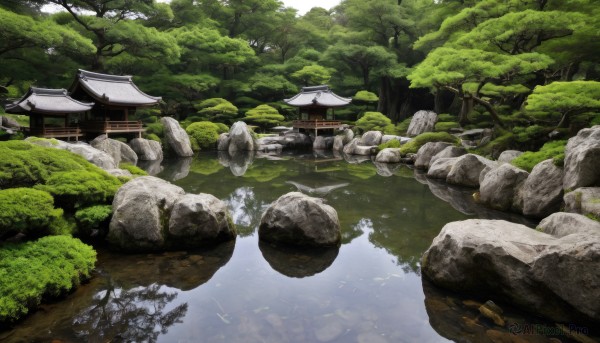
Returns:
point(368, 290)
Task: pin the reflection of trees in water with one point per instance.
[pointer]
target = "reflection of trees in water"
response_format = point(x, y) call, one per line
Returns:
point(134, 315)
point(262, 174)
point(246, 210)
point(206, 165)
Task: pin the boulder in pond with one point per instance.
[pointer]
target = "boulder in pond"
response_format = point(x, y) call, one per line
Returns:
point(500, 186)
point(552, 276)
point(448, 152)
point(389, 155)
point(176, 137)
point(508, 155)
point(441, 168)
point(323, 143)
point(542, 191)
point(370, 138)
point(466, 170)
point(240, 138)
point(91, 154)
point(141, 210)
point(427, 151)
point(199, 219)
point(296, 140)
point(300, 220)
point(338, 143)
point(422, 121)
point(349, 148)
point(119, 151)
point(582, 159)
point(584, 200)
point(223, 142)
point(147, 149)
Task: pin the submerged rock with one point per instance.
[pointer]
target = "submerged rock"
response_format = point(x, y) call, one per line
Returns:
point(176, 137)
point(552, 275)
point(300, 220)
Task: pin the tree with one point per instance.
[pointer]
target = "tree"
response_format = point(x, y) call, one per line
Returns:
point(565, 99)
point(375, 121)
point(264, 116)
point(218, 110)
point(313, 75)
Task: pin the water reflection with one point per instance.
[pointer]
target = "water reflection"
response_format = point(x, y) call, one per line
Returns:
point(298, 263)
point(177, 169)
point(246, 210)
point(134, 315)
point(319, 191)
point(151, 167)
point(238, 162)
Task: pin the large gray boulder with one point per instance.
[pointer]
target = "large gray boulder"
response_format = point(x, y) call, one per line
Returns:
point(422, 121)
point(584, 200)
point(389, 155)
point(240, 138)
point(341, 140)
point(91, 154)
point(141, 210)
point(582, 159)
point(499, 186)
point(508, 155)
point(542, 191)
point(441, 168)
point(146, 149)
point(349, 148)
point(296, 140)
point(552, 276)
point(561, 224)
point(176, 137)
point(466, 170)
point(448, 152)
point(9, 123)
point(200, 219)
point(370, 138)
point(119, 151)
point(223, 142)
point(427, 151)
point(297, 219)
point(323, 143)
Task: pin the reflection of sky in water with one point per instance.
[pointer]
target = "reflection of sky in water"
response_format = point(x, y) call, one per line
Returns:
point(237, 205)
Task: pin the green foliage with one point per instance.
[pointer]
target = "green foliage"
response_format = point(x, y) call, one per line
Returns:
point(135, 170)
point(365, 96)
point(402, 126)
point(375, 121)
point(28, 211)
point(264, 116)
point(47, 268)
point(152, 137)
point(218, 110)
point(392, 143)
point(203, 135)
point(313, 75)
point(446, 126)
point(73, 189)
point(417, 142)
point(553, 149)
point(93, 217)
point(155, 129)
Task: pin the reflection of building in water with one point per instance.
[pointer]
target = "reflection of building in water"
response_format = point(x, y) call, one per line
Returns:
point(316, 109)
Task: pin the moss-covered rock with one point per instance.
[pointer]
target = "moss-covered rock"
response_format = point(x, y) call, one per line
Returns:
point(553, 149)
point(416, 143)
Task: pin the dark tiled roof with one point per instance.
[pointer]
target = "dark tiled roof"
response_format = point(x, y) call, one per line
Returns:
point(317, 96)
point(112, 89)
point(44, 100)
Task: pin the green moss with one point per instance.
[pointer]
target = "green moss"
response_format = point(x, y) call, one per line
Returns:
point(135, 170)
point(593, 217)
point(156, 129)
point(445, 117)
point(393, 143)
point(73, 189)
point(413, 145)
point(445, 126)
point(47, 268)
point(553, 149)
point(203, 135)
point(152, 137)
point(402, 127)
point(375, 121)
point(93, 217)
point(28, 211)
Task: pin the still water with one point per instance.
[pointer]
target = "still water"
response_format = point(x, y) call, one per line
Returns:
point(368, 290)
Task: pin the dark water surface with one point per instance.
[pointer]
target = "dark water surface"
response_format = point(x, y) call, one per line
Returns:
point(368, 290)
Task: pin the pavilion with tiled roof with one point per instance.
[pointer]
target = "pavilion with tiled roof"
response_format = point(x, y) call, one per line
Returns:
point(116, 98)
point(43, 103)
point(314, 103)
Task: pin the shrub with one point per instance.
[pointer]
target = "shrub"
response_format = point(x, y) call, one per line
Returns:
point(553, 149)
point(73, 189)
point(217, 109)
point(392, 143)
point(445, 117)
point(156, 129)
point(264, 116)
point(445, 126)
point(413, 145)
point(222, 128)
point(27, 211)
point(153, 137)
point(365, 96)
point(203, 135)
point(93, 217)
point(375, 121)
point(48, 267)
point(135, 170)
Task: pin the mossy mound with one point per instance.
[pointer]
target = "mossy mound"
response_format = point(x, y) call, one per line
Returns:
point(413, 145)
point(46, 268)
point(28, 211)
point(554, 150)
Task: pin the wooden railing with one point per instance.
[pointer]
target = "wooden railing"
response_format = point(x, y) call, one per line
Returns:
point(316, 124)
point(56, 132)
point(112, 126)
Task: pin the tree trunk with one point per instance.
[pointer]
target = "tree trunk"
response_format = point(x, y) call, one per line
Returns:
point(465, 110)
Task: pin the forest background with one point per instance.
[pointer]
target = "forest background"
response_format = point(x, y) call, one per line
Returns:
point(526, 67)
